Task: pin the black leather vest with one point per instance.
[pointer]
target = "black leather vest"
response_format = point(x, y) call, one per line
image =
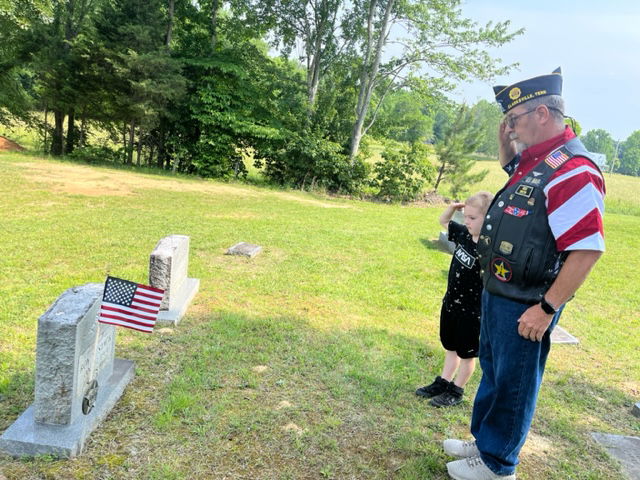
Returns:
point(516, 248)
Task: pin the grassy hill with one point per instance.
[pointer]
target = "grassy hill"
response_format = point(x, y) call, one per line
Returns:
point(300, 363)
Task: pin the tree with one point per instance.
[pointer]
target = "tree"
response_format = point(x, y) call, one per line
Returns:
point(461, 138)
point(311, 24)
point(143, 78)
point(17, 19)
point(403, 171)
point(630, 157)
point(600, 141)
point(404, 118)
point(438, 41)
point(487, 117)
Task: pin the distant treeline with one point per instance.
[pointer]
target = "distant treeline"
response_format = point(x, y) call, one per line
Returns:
point(191, 86)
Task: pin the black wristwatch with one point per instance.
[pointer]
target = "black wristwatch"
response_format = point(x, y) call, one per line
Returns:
point(547, 307)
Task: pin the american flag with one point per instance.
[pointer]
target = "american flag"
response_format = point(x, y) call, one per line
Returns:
point(557, 158)
point(131, 305)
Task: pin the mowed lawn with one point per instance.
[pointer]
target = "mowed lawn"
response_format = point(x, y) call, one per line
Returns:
point(302, 362)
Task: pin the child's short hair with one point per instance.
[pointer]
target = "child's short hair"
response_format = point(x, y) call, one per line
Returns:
point(480, 200)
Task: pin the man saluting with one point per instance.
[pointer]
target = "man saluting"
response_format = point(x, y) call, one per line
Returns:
point(540, 239)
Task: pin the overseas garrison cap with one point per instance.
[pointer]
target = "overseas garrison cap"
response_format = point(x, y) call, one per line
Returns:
point(512, 95)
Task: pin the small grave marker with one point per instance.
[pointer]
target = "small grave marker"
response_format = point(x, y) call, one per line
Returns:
point(245, 249)
point(624, 449)
point(78, 380)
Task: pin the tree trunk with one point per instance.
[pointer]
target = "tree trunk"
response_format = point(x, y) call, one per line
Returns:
point(124, 141)
point(57, 138)
point(214, 23)
point(132, 134)
point(370, 67)
point(139, 148)
point(439, 179)
point(170, 23)
point(83, 131)
point(71, 132)
point(152, 152)
point(161, 147)
point(46, 129)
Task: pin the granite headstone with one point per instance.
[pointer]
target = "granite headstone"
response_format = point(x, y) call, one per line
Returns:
point(168, 266)
point(77, 381)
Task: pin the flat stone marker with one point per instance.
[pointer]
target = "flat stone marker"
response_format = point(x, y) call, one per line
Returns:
point(560, 335)
point(168, 267)
point(624, 449)
point(636, 409)
point(78, 380)
point(245, 249)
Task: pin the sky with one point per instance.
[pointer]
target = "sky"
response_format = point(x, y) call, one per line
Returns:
point(595, 42)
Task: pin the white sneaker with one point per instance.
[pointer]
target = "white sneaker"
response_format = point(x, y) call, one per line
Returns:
point(459, 448)
point(473, 468)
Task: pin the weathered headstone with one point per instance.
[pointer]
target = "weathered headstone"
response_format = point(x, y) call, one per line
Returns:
point(168, 267)
point(245, 249)
point(443, 239)
point(78, 380)
point(624, 449)
point(560, 335)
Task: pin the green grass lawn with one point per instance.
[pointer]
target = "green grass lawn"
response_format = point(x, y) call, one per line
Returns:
point(302, 362)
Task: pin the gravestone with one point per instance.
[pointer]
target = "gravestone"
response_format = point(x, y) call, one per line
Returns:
point(168, 267)
point(78, 380)
point(245, 249)
point(443, 239)
point(624, 449)
point(636, 409)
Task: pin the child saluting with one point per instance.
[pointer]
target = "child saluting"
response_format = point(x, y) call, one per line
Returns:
point(460, 313)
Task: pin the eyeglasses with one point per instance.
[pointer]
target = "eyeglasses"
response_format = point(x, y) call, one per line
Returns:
point(510, 120)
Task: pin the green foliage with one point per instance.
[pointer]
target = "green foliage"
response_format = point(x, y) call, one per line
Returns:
point(487, 116)
point(403, 172)
point(308, 161)
point(402, 117)
point(97, 154)
point(460, 139)
point(574, 124)
point(242, 99)
point(630, 155)
point(600, 141)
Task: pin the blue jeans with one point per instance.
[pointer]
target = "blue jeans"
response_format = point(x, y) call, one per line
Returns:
point(512, 369)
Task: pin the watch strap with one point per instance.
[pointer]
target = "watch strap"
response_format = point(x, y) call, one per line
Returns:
point(547, 307)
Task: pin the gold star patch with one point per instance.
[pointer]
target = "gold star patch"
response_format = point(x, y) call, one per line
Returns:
point(501, 269)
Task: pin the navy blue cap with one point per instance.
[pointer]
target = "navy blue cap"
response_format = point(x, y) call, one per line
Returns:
point(513, 95)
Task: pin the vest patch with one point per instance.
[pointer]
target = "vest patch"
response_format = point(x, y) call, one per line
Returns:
point(501, 269)
point(524, 190)
point(464, 258)
point(515, 211)
point(532, 180)
point(557, 158)
point(506, 248)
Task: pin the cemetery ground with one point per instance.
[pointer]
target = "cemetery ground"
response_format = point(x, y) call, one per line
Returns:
point(300, 363)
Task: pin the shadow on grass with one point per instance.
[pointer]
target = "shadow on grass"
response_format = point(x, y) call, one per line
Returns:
point(434, 245)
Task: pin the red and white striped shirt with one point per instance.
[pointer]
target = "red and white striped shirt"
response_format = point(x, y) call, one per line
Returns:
point(575, 196)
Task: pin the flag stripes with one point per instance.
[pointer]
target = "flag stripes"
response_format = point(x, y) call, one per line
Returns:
point(131, 305)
